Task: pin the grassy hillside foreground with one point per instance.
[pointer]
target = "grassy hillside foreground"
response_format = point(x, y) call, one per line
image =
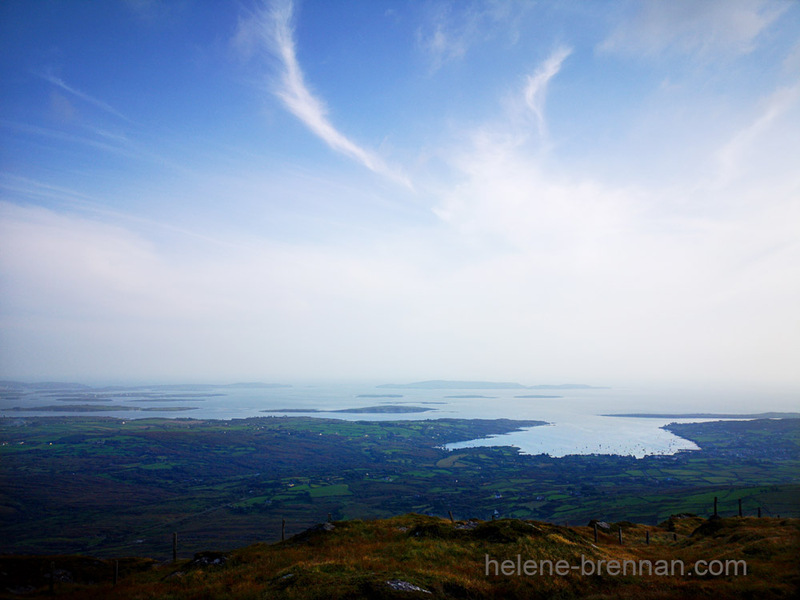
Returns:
point(416, 556)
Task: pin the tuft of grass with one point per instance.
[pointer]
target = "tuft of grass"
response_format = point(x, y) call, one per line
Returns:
point(416, 556)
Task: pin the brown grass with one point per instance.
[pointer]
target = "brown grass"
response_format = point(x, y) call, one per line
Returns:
point(358, 559)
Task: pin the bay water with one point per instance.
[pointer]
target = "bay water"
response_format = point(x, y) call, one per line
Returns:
point(576, 417)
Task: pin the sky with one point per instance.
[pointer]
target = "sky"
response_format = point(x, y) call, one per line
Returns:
point(543, 192)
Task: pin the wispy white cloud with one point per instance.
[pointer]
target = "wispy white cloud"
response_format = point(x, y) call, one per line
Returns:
point(447, 35)
point(99, 139)
point(58, 82)
point(601, 268)
point(706, 27)
point(109, 143)
point(536, 86)
point(741, 153)
point(24, 190)
point(271, 27)
point(442, 45)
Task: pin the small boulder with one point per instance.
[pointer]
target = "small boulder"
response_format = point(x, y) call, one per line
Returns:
point(404, 586)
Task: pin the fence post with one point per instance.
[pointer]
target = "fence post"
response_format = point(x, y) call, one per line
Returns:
point(674, 537)
point(175, 546)
point(595, 532)
point(715, 507)
point(759, 512)
point(283, 529)
point(647, 537)
point(450, 513)
point(619, 534)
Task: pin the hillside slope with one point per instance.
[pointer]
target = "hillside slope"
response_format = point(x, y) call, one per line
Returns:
point(416, 556)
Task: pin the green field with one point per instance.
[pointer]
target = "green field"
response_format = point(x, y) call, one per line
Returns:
point(105, 486)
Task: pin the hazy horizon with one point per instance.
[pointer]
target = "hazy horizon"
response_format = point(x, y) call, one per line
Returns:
point(784, 394)
point(549, 193)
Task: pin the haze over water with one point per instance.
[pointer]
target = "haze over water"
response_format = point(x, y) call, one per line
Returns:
point(576, 424)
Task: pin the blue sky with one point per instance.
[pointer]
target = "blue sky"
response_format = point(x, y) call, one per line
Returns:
point(604, 192)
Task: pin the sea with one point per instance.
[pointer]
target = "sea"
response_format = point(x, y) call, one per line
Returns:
point(577, 417)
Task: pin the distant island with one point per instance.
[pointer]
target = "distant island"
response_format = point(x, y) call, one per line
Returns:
point(379, 396)
point(441, 384)
point(58, 386)
point(389, 409)
point(211, 386)
point(100, 408)
point(71, 398)
point(107, 397)
point(163, 399)
point(765, 415)
point(42, 385)
point(293, 410)
point(537, 396)
point(471, 396)
point(568, 386)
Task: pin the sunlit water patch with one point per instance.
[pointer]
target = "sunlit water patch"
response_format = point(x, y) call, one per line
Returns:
point(598, 435)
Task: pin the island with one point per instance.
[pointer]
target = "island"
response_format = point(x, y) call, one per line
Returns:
point(389, 408)
point(440, 384)
point(369, 410)
point(210, 386)
point(568, 386)
point(764, 415)
point(443, 384)
point(98, 408)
